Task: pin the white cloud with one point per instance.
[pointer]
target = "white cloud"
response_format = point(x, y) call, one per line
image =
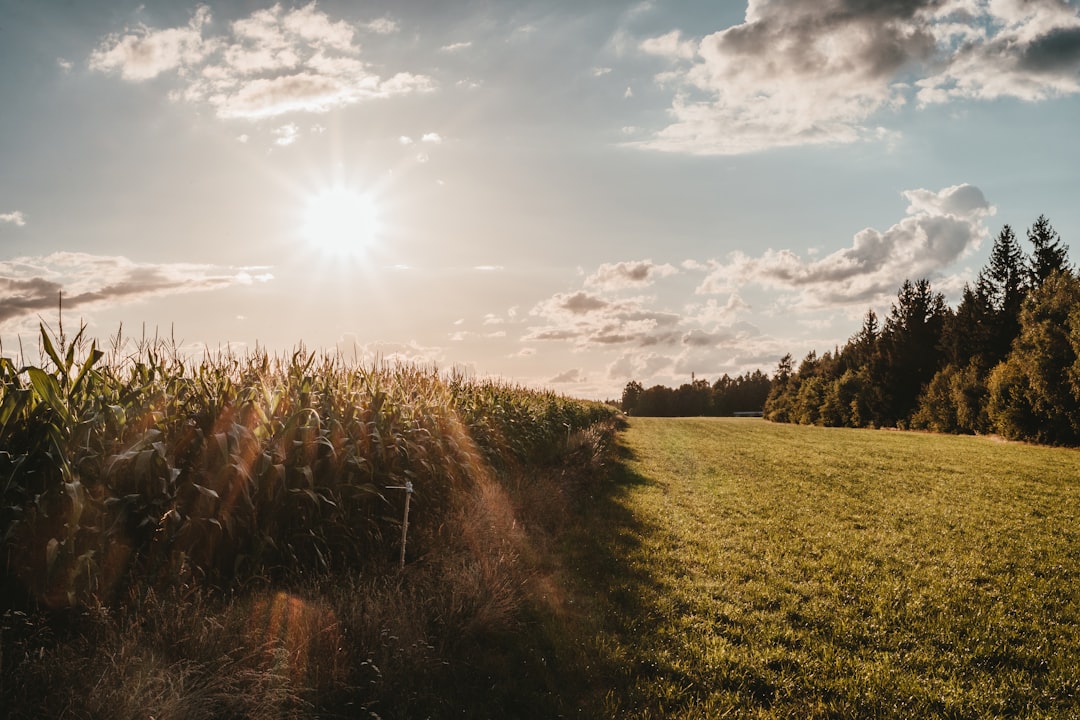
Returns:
point(641, 273)
point(286, 134)
point(712, 313)
point(670, 46)
point(267, 64)
point(29, 285)
point(939, 229)
point(65, 65)
point(646, 340)
point(382, 26)
point(457, 47)
point(574, 375)
point(1034, 54)
point(16, 218)
point(589, 320)
point(431, 137)
point(143, 53)
point(316, 28)
point(799, 72)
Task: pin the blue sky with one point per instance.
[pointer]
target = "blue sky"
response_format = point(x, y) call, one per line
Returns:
point(560, 194)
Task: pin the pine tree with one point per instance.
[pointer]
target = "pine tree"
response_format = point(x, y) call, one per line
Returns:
point(1004, 278)
point(969, 334)
point(1049, 253)
point(911, 347)
point(1005, 283)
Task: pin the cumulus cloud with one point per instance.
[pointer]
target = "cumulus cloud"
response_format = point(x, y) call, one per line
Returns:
point(29, 285)
point(1031, 53)
point(142, 53)
point(939, 229)
point(799, 72)
point(589, 320)
point(269, 63)
point(574, 375)
point(612, 276)
point(15, 218)
point(709, 333)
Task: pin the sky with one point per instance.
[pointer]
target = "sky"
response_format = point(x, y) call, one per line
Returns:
point(560, 194)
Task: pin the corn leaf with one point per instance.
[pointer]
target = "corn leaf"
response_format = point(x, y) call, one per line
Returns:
point(49, 390)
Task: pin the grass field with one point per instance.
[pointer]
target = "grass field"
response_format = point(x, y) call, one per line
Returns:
point(747, 569)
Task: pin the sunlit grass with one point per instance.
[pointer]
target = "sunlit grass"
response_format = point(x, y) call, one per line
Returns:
point(747, 569)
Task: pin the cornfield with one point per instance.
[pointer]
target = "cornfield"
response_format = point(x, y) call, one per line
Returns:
point(153, 470)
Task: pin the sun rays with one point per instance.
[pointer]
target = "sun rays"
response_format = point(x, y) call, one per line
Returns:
point(340, 221)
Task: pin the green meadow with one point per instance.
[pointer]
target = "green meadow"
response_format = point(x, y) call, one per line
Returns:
point(740, 568)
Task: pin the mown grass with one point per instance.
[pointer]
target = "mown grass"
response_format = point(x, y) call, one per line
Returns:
point(745, 569)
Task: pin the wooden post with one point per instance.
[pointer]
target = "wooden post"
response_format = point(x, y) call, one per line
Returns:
point(408, 488)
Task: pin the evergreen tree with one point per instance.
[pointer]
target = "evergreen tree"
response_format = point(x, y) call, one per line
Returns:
point(1004, 278)
point(911, 347)
point(860, 350)
point(1049, 253)
point(969, 334)
point(781, 399)
point(1004, 282)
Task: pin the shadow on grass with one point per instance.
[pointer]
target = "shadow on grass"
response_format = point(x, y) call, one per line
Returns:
point(608, 596)
point(555, 663)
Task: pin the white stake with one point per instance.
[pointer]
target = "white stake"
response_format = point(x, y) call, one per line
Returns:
point(408, 488)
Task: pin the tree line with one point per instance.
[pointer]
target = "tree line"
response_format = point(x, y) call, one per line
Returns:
point(727, 396)
point(1006, 360)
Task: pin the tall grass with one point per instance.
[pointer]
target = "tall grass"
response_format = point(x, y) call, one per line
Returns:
point(220, 537)
point(241, 468)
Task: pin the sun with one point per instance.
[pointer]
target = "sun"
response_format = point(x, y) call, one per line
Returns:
point(341, 221)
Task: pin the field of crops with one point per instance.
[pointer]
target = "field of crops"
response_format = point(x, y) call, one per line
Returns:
point(748, 569)
point(152, 505)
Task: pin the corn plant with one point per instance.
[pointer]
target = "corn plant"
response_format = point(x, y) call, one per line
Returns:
point(150, 469)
